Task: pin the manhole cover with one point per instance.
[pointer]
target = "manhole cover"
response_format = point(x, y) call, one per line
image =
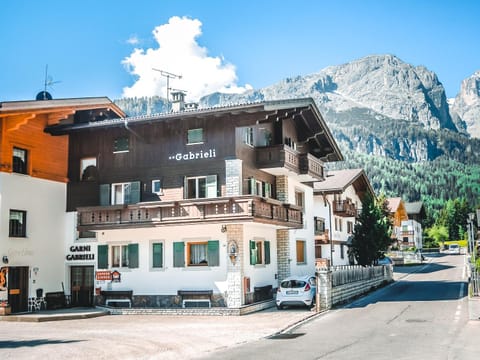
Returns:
point(285, 336)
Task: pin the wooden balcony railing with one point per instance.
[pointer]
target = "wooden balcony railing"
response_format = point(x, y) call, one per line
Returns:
point(344, 208)
point(283, 157)
point(322, 238)
point(311, 166)
point(150, 214)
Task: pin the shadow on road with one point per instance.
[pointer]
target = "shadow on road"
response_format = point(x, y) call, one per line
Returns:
point(12, 344)
point(422, 269)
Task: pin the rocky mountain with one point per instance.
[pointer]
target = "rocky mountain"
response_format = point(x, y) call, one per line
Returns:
point(390, 118)
point(379, 105)
point(376, 105)
point(466, 105)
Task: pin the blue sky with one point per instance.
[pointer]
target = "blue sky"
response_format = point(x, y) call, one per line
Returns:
point(230, 45)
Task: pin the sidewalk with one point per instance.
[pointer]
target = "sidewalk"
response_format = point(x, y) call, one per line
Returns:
point(56, 315)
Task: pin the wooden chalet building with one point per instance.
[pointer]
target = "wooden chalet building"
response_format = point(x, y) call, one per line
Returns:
point(33, 181)
point(197, 207)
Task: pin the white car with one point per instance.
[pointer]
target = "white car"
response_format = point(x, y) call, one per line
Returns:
point(453, 249)
point(296, 291)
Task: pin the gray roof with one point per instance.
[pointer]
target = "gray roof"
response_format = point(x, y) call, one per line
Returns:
point(337, 181)
point(414, 207)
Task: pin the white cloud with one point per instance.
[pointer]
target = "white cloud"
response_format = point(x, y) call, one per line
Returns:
point(133, 40)
point(179, 53)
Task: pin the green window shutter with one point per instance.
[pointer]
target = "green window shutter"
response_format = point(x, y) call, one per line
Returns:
point(266, 245)
point(134, 192)
point(185, 187)
point(253, 253)
point(268, 190)
point(178, 254)
point(132, 256)
point(213, 255)
point(157, 254)
point(211, 186)
point(102, 256)
point(104, 194)
point(251, 186)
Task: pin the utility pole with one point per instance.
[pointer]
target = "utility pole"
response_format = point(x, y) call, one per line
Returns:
point(168, 75)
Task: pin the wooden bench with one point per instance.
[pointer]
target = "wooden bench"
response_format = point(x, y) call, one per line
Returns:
point(117, 296)
point(195, 296)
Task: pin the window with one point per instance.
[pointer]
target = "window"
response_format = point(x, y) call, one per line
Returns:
point(120, 145)
point(87, 235)
point(319, 225)
point(299, 198)
point(122, 193)
point(301, 252)
point(290, 143)
point(259, 252)
point(88, 169)
point(157, 255)
point(248, 136)
point(349, 227)
point(195, 136)
point(201, 187)
point(342, 252)
point(123, 256)
point(198, 253)
point(19, 161)
point(156, 187)
point(260, 188)
point(17, 223)
point(338, 224)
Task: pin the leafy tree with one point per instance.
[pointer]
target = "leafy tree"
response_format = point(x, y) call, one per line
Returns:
point(454, 216)
point(371, 235)
point(439, 233)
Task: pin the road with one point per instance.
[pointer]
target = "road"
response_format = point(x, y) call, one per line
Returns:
point(423, 315)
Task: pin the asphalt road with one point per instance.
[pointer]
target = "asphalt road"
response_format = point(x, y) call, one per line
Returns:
point(423, 315)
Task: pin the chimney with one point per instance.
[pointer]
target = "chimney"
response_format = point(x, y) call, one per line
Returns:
point(178, 101)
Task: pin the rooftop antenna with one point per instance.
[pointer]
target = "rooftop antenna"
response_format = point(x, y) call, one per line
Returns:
point(168, 75)
point(48, 82)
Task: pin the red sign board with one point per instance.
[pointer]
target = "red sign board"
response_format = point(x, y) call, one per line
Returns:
point(104, 275)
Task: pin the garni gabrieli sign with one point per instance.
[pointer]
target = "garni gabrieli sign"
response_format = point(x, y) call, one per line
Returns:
point(193, 155)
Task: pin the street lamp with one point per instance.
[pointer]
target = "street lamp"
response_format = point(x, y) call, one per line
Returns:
point(471, 236)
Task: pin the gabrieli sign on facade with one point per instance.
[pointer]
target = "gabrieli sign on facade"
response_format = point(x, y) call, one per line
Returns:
point(80, 252)
point(191, 155)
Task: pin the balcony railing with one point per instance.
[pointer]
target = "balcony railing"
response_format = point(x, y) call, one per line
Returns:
point(151, 214)
point(311, 166)
point(344, 208)
point(281, 159)
point(322, 237)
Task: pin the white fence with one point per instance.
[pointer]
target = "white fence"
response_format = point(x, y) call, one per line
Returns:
point(339, 284)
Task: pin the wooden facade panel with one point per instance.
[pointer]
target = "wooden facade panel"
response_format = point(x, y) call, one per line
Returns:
point(47, 154)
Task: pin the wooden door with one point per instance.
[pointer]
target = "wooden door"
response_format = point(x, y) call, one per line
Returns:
point(81, 285)
point(18, 288)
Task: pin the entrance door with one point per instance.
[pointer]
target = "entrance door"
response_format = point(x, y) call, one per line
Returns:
point(18, 288)
point(82, 285)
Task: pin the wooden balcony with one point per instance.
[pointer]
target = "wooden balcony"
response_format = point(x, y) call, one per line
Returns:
point(194, 211)
point(311, 167)
point(322, 237)
point(282, 160)
point(344, 208)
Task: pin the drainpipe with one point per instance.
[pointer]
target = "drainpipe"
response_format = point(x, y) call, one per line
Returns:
point(125, 123)
point(326, 202)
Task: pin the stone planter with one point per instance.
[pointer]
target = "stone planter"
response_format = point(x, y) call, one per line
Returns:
point(5, 310)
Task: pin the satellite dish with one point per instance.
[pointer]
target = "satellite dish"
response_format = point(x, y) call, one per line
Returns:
point(44, 95)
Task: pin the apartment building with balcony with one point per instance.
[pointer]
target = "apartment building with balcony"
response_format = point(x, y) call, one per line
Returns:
point(206, 205)
point(337, 203)
point(33, 183)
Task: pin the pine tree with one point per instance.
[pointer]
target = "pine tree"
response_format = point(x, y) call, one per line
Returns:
point(371, 235)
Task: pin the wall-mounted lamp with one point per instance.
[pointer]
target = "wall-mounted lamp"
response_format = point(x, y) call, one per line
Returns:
point(5, 259)
point(35, 270)
point(233, 251)
point(224, 228)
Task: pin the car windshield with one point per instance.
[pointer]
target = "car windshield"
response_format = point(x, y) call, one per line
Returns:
point(453, 246)
point(289, 284)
